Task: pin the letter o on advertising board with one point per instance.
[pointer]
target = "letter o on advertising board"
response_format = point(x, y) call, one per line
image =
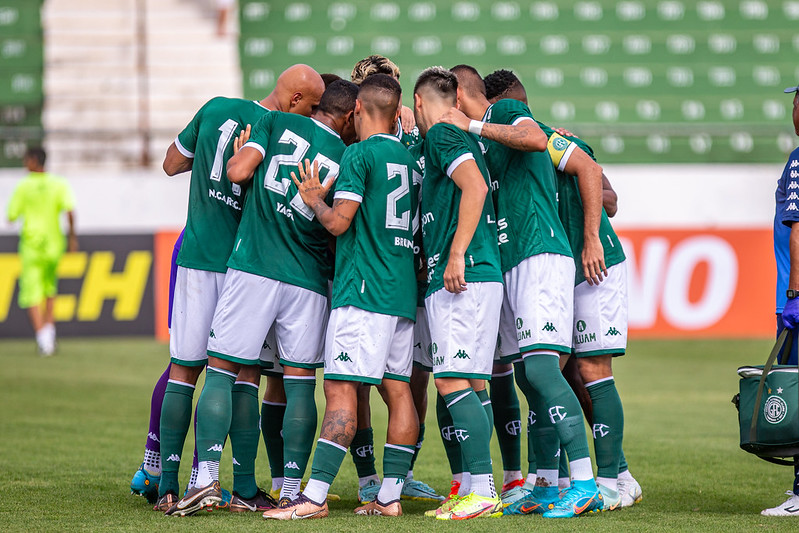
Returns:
point(722, 280)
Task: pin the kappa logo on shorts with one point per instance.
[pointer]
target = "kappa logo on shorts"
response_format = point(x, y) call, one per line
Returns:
point(613, 331)
point(265, 346)
point(343, 356)
point(212, 335)
point(418, 345)
point(461, 354)
point(549, 327)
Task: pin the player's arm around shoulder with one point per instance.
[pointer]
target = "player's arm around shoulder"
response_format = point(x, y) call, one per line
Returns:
point(519, 130)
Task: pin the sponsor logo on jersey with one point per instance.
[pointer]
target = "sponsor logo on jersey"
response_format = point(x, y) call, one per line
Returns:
point(215, 448)
point(212, 334)
point(461, 354)
point(227, 200)
point(502, 237)
point(343, 356)
point(404, 243)
point(174, 457)
point(291, 464)
point(549, 327)
point(600, 430)
point(514, 427)
point(557, 413)
point(612, 331)
point(364, 451)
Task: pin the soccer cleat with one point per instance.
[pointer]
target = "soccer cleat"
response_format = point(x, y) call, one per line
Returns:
point(260, 502)
point(536, 501)
point(611, 499)
point(575, 502)
point(445, 506)
point(375, 508)
point(417, 490)
point(145, 484)
point(226, 499)
point(165, 502)
point(473, 506)
point(368, 493)
point(789, 508)
point(299, 509)
point(630, 492)
point(512, 491)
point(197, 498)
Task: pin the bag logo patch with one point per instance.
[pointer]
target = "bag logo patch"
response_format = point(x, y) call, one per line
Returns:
point(775, 409)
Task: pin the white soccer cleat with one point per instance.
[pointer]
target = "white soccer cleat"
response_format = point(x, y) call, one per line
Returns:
point(630, 492)
point(789, 508)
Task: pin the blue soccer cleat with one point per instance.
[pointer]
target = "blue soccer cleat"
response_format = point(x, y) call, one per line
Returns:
point(536, 501)
point(583, 497)
point(145, 484)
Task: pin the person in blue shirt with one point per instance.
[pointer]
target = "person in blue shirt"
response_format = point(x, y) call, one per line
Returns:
point(786, 251)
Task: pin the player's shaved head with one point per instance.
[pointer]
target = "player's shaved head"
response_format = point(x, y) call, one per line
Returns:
point(338, 99)
point(380, 96)
point(504, 84)
point(374, 64)
point(469, 80)
point(298, 89)
point(437, 82)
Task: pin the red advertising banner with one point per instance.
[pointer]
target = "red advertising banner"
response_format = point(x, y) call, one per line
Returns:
point(700, 283)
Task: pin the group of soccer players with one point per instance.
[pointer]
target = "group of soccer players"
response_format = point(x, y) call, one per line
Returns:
point(328, 226)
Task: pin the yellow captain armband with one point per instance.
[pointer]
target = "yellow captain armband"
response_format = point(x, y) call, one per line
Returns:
point(560, 149)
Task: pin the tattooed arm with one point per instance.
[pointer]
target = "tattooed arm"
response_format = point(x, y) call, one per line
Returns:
point(336, 219)
point(525, 135)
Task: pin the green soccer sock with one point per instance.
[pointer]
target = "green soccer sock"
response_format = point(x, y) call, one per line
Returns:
point(545, 442)
point(451, 445)
point(363, 454)
point(299, 425)
point(527, 390)
point(271, 426)
point(485, 400)
point(608, 429)
point(244, 437)
point(507, 420)
point(214, 411)
point(396, 463)
point(327, 460)
point(563, 410)
point(418, 447)
point(471, 429)
point(175, 420)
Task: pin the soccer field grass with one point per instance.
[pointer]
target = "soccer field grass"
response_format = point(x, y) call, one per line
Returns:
point(73, 428)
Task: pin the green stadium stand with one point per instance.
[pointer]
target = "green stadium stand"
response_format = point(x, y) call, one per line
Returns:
point(642, 81)
point(21, 78)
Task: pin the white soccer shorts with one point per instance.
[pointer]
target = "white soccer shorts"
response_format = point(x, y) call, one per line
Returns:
point(193, 305)
point(463, 330)
point(540, 295)
point(367, 347)
point(248, 307)
point(600, 315)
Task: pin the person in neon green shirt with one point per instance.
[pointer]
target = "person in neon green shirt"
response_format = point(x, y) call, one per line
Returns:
point(39, 199)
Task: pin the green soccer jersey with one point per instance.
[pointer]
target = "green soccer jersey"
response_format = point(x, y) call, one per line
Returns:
point(39, 199)
point(408, 140)
point(215, 204)
point(279, 236)
point(570, 207)
point(526, 198)
point(375, 256)
point(444, 148)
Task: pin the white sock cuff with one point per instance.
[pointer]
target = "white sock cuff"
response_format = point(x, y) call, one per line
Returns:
point(182, 384)
point(221, 371)
point(283, 404)
point(597, 382)
point(330, 442)
point(459, 398)
point(246, 383)
point(540, 352)
point(502, 374)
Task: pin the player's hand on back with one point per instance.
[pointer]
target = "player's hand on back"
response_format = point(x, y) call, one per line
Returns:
point(456, 117)
point(594, 261)
point(311, 189)
point(566, 133)
point(407, 119)
point(242, 139)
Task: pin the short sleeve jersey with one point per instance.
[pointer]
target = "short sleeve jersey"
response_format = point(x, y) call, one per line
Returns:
point(786, 213)
point(526, 198)
point(445, 148)
point(215, 203)
point(279, 236)
point(570, 204)
point(375, 256)
point(39, 199)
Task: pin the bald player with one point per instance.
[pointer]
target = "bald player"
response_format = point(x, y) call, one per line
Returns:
point(214, 212)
